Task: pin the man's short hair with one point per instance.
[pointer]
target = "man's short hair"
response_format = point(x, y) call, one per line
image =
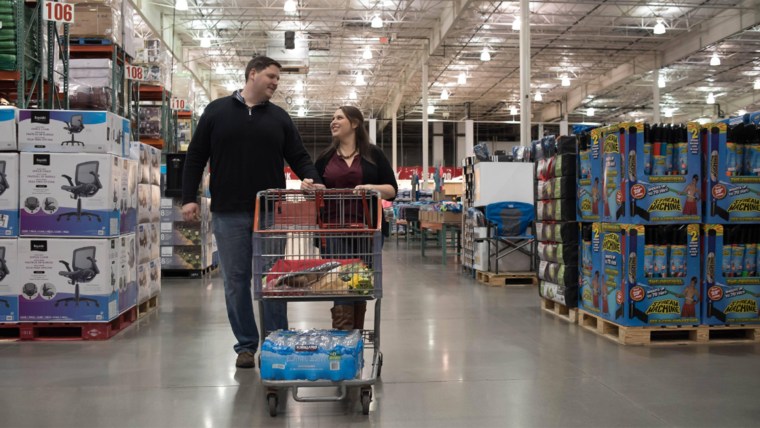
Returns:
point(259, 63)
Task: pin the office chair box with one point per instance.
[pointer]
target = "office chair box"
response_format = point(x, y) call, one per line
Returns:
point(154, 276)
point(730, 282)
point(9, 191)
point(145, 205)
point(69, 279)
point(126, 135)
point(69, 194)
point(68, 131)
point(143, 282)
point(144, 249)
point(10, 280)
point(127, 271)
point(128, 202)
point(8, 121)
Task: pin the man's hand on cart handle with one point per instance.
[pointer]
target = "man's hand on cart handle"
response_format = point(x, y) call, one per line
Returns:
point(191, 211)
point(309, 184)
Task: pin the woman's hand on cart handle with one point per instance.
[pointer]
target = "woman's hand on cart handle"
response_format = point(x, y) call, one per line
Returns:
point(309, 184)
point(191, 211)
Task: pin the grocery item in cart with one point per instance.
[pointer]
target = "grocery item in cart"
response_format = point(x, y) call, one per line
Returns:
point(312, 355)
point(318, 276)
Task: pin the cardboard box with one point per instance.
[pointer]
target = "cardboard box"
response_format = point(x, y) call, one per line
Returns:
point(8, 120)
point(144, 242)
point(643, 286)
point(155, 166)
point(70, 194)
point(732, 193)
point(128, 209)
point(637, 189)
point(68, 131)
point(182, 233)
point(182, 257)
point(590, 176)
point(143, 282)
point(728, 296)
point(9, 191)
point(94, 19)
point(10, 280)
point(68, 279)
point(127, 272)
point(145, 169)
point(144, 203)
point(590, 269)
point(155, 203)
point(154, 277)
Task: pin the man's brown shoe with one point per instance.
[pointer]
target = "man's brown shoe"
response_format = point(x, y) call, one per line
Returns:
point(245, 360)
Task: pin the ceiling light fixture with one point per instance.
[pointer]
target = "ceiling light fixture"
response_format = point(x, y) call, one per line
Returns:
point(710, 98)
point(430, 109)
point(462, 79)
point(513, 110)
point(565, 80)
point(661, 82)
point(220, 69)
point(590, 112)
point(444, 95)
point(352, 95)
point(756, 86)
point(181, 5)
point(485, 55)
point(205, 42)
point(301, 112)
point(538, 96)
point(231, 86)
point(516, 24)
point(299, 85)
point(715, 60)
point(300, 101)
point(668, 112)
point(659, 28)
point(741, 112)
point(377, 22)
point(360, 79)
point(290, 6)
point(367, 54)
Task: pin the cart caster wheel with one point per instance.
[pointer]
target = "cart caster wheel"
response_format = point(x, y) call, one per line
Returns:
point(272, 401)
point(366, 399)
point(379, 365)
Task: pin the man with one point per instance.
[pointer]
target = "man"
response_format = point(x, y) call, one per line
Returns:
point(247, 139)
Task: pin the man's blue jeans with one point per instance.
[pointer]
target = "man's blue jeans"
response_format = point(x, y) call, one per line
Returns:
point(234, 239)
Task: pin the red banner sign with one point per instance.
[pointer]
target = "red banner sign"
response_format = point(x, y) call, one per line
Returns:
point(402, 173)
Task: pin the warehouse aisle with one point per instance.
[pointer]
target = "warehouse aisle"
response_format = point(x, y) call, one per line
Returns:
point(456, 354)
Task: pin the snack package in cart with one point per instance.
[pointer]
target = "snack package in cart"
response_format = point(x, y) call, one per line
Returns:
point(318, 276)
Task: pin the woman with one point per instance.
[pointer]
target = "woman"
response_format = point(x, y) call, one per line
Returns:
point(352, 162)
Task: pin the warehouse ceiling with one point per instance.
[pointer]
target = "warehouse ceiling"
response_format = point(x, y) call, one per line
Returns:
point(608, 50)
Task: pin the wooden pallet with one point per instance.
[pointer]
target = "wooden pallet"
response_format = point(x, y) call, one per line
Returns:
point(669, 335)
point(49, 331)
point(504, 279)
point(147, 306)
point(559, 310)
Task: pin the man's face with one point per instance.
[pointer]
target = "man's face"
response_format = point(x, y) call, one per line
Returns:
point(264, 83)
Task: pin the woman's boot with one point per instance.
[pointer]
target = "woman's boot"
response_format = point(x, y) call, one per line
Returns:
point(360, 308)
point(343, 317)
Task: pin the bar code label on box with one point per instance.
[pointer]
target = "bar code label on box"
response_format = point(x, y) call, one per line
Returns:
point(335, 365)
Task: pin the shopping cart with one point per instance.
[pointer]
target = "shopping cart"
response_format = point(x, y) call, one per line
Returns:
point(320, 245)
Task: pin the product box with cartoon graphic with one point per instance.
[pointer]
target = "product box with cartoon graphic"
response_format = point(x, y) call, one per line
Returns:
point(732, 174)
point(68, 279)
point(731, 290)
point(590, 270)
point(589, 175)
point(69, 131)
point(69, 194)
point(652, 174)
point(10, 280)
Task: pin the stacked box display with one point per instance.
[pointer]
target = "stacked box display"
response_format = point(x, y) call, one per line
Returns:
point(148, 220)
point(589, 175)
point(185, 245)
point(9, 194)
point(8, 121)
point(590, 268)
point(10, 280)
point(128, 271)
point(556, 229)
point(731, 289)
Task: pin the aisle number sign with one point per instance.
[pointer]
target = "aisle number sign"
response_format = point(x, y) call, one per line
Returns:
point(179, 104)
point(58, 12)
point(136, 72)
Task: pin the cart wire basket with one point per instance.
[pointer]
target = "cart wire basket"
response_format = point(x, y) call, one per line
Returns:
point(320, 245)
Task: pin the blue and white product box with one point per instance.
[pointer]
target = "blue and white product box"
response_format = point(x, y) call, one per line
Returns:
point(9, 189)
point(145, 203)
point(312, 355)
point(155, 166)
point(145, 155)
point(8, 120)
point(69, 194)
point(589, 176)
point(126, 134)
point(660, 171)
point(155, 204)
point(68, 131)
point(143, 282)
point(663, 286)
point(731, 290)
point(590, 269)
point(128, 272)
point(732, 175)
point(68, 279)
point(10, 280)
point(154, 277)
point(144, 248)
point(128, 208)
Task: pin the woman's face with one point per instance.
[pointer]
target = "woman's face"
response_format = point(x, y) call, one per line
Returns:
point(340, 126)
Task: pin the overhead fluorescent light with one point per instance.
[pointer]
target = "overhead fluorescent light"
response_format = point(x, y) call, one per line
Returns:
point(430, 109)
point(756, 86)
point(565, 80)
point(659, 28)
point(377, 22)
point(181, 5)
point(661, 82)
point(360, 79)
point(538, 96)
point(669, 112)
point(290, 6)
point(299, 85)
point(590, 112)
point(220, 69)
point(367, 54)
point(352, 95)
point(462, 79)
point(710, 98)
point(513, 110)
point(301, 112)
point(516, 24)
point(444, 94)
point(485, 55)
point(206, 41)
point(715, 60)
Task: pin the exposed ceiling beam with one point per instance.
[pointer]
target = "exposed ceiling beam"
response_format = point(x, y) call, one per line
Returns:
point(709, 32)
